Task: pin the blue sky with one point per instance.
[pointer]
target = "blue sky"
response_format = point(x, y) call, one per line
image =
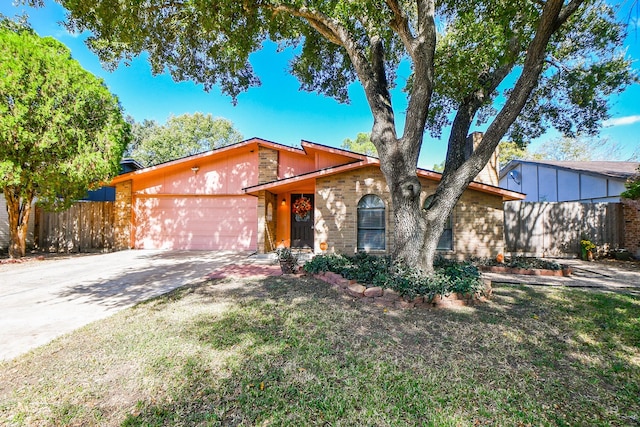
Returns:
point(278, 110)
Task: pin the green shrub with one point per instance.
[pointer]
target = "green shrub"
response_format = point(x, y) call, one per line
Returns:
point(370, 270)
point(365, 268)
point(322, 263)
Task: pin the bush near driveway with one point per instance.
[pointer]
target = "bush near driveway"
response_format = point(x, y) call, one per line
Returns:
point(292, 351)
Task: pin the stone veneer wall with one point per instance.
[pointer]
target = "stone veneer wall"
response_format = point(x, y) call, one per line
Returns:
point(478, 224)
point(122, 215)
point(631, 212)
point(267, 165)
point(267, 172)
point(266, 238)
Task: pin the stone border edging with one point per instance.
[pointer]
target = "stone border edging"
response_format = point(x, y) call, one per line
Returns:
point(390, 298)
point(526, 271)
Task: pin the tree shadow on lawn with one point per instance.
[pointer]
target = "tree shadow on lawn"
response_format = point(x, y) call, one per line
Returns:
point(136, 284)
point(300, 352)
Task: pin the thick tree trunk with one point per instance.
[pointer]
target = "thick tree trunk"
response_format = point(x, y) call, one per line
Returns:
point(416, 232)
point(18, 211)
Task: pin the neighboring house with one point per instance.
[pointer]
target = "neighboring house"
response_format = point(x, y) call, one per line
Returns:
point(553, 181)
point(108, 194)
point(258, 195)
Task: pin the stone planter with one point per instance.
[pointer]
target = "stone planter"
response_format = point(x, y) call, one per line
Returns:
point(288, 266)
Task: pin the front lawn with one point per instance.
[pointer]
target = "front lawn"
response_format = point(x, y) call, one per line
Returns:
point(292, 351)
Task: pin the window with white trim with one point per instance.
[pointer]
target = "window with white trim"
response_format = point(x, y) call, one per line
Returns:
point(371, 223)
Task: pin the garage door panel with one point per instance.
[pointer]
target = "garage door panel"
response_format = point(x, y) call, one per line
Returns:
point(196, 223)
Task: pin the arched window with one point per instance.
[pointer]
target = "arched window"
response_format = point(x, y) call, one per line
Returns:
point(446, 238)
point(371, 224)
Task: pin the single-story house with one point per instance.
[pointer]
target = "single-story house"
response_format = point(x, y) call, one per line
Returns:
point(555, 181)
point(257, 195)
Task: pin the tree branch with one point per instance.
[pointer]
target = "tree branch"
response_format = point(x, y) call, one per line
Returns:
point(423, 75)
point(400, 24)
point(370, 73)
point(566, 12)
point(456, 155)
point(329, 28)
point(532, 69)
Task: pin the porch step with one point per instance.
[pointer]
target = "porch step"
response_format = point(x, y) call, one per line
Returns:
point(304, 256)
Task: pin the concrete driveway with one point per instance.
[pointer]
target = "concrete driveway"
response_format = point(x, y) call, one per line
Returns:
point(40, 300)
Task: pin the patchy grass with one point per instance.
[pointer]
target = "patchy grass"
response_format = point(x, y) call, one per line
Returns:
point(289, 351)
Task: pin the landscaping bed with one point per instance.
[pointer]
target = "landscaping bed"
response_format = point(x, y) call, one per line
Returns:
point(523, 265)
point(389, 298)
point(383, 282)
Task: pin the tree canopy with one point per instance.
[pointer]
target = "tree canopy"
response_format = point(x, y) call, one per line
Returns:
point(515, 67)
point(61, 130)
point(581, 149)
point(633, 187)
point(362, 144)
point(181, 136)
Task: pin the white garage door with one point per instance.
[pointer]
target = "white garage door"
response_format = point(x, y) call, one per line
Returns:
point(196, 223)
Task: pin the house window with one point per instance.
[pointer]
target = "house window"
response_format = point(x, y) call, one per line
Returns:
point(371, 225)
point(446, 238)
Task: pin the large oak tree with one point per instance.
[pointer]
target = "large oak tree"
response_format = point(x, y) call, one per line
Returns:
point(61, 131)
point(515, 66)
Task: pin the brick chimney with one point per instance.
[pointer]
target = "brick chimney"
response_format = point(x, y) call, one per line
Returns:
point(490, 174)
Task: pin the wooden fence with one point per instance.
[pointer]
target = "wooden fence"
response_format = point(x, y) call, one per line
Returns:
point(85, 227)
point(555, 229)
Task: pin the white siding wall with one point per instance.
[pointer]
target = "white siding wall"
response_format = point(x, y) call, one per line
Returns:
point(543, 183)
point(568, 186)
point(530, 182)
point(547, 184)
point(510, 183)
point(592, 187)
point(4, 225)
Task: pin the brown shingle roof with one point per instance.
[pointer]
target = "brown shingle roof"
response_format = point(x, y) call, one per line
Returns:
point(620, 170)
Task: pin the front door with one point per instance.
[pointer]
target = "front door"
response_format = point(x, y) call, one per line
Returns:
point(302, 220)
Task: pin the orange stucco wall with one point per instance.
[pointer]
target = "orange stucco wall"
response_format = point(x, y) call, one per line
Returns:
point(292, 164)
point(196, 223)
point(179, 208)
point(219, 176)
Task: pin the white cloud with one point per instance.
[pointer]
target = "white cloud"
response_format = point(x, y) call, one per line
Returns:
point(621, 121)
point(65, 33)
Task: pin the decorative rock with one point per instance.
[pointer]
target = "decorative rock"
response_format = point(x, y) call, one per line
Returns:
point(390, 294)
point(332, 277)
point(375, 291)
point(344, 283)
point(356, 290)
